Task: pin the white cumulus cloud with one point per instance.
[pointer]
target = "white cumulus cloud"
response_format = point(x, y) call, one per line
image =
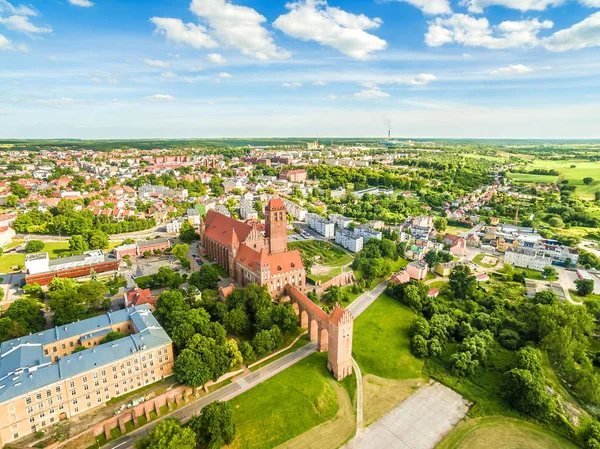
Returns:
point(314, 20)
point(156, 63)
point(293, 85)
point(216, 58)
point(434, 7)
point(161, 98)
point(21, 10)
point(5, 43)
point(477, 6)
point(371, 94)
point(82, 3)
point(477, 32)
point(224, 75)
point(184, 33)
point(23, 25)
point(238, 27)
point(319, 83)
point(581, 35)
point(513, 69)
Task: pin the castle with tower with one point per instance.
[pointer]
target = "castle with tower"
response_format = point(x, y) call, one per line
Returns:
point(249, 257)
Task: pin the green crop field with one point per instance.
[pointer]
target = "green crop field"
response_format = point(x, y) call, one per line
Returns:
point(287, 405)
point(573, 171)
point(502, 433)
point(381, 343)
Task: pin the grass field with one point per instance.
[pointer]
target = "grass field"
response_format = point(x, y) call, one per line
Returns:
point(323, 253)
point(575, 175)
point(285, 406)
point(502, 433)
point(381, 342)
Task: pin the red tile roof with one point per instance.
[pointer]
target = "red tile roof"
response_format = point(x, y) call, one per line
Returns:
point(221, 228)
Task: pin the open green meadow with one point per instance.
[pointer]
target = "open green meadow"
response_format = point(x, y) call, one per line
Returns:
point(573, 171)
point(285, 406)
point(381, 344)
point(502, 433)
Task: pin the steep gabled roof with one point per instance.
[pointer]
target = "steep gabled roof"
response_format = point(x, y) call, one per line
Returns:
point(220, 228)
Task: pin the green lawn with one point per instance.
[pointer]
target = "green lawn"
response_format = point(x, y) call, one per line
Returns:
point(329, 255)
point(502, 433)
point(287, 405)
point(381, 343)
point(529, 273)
point(575, 175)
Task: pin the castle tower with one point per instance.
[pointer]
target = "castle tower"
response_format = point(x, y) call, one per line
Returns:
point(339, 360)
point(276, 226)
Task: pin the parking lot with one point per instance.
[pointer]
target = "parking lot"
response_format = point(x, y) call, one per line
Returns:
point(420, 422)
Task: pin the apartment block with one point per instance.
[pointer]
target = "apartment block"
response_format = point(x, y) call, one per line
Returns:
point(527, 258)
point(321, 225)
point(349, 240)
point(65, 371)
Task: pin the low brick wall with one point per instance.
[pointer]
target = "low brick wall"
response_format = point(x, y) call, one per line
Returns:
point(178, 395)
point(340, 280)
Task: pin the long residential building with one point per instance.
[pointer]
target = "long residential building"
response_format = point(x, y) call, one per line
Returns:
point(527, 258)
point(44, 381)
point(321, 225)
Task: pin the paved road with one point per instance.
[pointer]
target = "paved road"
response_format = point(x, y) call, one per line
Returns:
point(359, 396)
point(366, 299)
point(420, 422)
point(223, 394)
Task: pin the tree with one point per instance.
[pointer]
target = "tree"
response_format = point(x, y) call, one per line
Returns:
point(187, 233)
point(597, 195)
point(93, 294)
point(112, 336)
point(215, 427)
point(247, 352)
point(33, 246)
point(78, 244)
point(584, 286)
point(206, 277)
point(27, 313)
point(334, 295)
point(418, 346)
point(62, 284)
point(11, 200)
point(550, 273)
point(233, 351)
point(180, 250)
point(462, 282)
point(98, 240)
point(440, 224)
point(236, 321)
point(556, 222)
point(190, 369)
point(546, 297)
point(525, 391)
point(168, 434)
point(67, 306)
point(587, 180)
point(18, 190)
point(462, 363)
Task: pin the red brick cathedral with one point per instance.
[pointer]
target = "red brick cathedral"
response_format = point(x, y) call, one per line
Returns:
point(248, 256)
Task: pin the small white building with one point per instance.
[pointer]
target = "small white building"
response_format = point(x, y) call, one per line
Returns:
point(368, 233)
point(247, 210)
point(193, 216)
point(349, 240)
point(321, 225)
point(174, 226)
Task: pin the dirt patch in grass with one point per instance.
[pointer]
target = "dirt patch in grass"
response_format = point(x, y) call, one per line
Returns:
point(382, 395)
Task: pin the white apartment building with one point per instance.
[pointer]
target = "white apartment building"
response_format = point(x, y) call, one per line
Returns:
point(340, 221)
point(368, 233)
point(527, 258)
point(349, 240)
point(323, 226)
point(298, 212)
point(247, 210)
point(174, 226)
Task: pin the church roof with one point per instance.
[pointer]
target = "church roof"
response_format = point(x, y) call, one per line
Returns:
point(279, 263)
point(221, 228)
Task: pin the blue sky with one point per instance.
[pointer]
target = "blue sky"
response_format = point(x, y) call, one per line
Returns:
point(260, 68)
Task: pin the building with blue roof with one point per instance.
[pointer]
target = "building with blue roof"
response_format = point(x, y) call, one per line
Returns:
point(65, 371)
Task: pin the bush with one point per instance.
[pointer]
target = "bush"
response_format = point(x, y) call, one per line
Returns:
point(33, 246)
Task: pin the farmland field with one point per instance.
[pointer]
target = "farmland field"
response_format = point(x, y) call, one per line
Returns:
point(573, 171)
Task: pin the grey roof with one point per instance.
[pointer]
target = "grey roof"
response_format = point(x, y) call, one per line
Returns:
point(24, 368)
point(158, 241)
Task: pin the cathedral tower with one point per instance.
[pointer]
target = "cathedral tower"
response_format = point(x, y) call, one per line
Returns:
point(276, 226)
